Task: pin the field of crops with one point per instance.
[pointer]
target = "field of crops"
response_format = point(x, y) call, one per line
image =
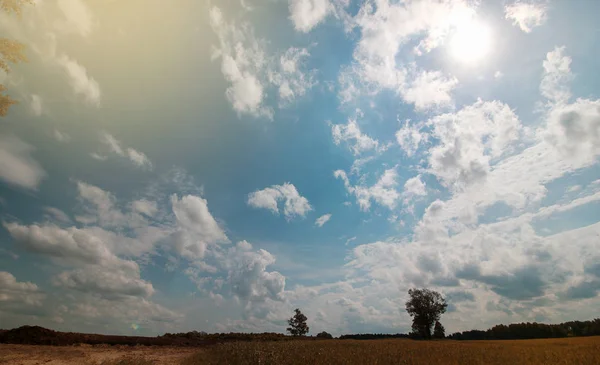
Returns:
point(583, 350)
point(580, 350)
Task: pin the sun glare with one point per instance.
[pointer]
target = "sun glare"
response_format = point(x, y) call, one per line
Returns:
point(471, 42)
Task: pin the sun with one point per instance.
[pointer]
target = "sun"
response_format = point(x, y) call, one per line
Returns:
point(470, 42)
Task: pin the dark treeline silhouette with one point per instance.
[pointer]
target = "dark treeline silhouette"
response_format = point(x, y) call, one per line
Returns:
point(375, 336)
point(522, 331)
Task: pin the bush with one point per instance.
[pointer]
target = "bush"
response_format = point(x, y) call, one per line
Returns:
point(324, 335)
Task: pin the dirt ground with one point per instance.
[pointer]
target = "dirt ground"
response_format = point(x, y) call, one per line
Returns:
point(87, 354)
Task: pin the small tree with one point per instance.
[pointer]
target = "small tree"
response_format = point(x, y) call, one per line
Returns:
point(324, 335)
point(439, 331)
point(298, 326)
point(426, 307)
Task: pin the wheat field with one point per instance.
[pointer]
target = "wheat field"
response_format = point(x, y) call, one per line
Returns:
point(583, 350)
point(579, 350)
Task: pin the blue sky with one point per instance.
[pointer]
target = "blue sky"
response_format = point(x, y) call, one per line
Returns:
point(214, 165)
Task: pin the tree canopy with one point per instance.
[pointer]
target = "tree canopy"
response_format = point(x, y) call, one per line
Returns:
point(298, 326)
point(425, 306)
point(10, 52)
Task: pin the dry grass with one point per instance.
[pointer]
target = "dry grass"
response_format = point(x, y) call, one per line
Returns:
point(92, 355)
point(581, 350)
point(551, 351)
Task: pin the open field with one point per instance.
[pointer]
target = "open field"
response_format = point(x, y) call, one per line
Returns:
point(582, 350)
point(87, 354)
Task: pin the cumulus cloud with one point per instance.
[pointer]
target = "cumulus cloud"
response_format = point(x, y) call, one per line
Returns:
point(145, 206)
point(242, 62)
point(81, 83)
point(268, 198)
point(410, 137)
point(71, 246)
point(322, 220)
point(383, 192)
point(350, 133)
point(429, 89)
point(17, 167)
point(252, 73)
point(469, 139)
point(526, 15)
point(248, 275)
point(101, 208)
point(306, 14)
point(385, 32)
point(196, 227)
point(108, 283)
point(414, 187)
point(573, 129)
point(136, 157)
point(556, 77)
point(14, 293)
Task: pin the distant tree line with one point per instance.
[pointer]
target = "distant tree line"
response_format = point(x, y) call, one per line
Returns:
point(522, 331)
point(375, 336)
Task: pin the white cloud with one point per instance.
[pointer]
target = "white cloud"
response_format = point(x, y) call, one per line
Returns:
point(573, 129)
point(358, 141)
point(557, 75)
point(17, 167)
point(290, 79)
point(526, 15)
point(61, 136)
point(72, 246)
point(15, 293)
point(248, 276)
point(349, 240)
point(101, 207)
point(98, 157)
point(138, 158)
point(383, 192)
point(252, 74)
point(306, 14)
point(144, 206)
point(322, 220)
point(113, 144)
point(469, 139)
point(415, 187)
point(196, 227)
point(429, 89)
point(56, 214)
point(409, 138)
point(36, 105)
point(111, 284)
point(80, 81)
point(386, 30)
point(242, 62)
point(268, 198)
point(498, 74)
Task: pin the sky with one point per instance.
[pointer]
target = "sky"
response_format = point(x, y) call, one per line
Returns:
point(212, 165)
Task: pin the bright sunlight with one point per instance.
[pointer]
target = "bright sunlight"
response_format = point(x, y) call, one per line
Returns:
point(470, 42)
